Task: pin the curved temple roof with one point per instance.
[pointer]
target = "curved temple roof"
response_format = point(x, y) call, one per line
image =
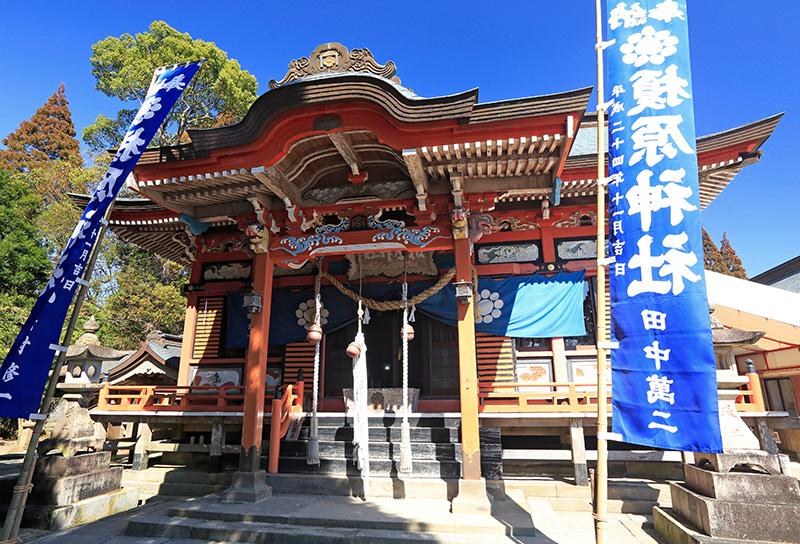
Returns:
point(340, 126)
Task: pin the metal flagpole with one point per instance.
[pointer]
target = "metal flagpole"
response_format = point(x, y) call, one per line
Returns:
point(22, 489)
point(601, 474)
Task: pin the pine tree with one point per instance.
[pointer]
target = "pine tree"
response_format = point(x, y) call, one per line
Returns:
point(733, 264)
point(49, 135)
point(712, 258)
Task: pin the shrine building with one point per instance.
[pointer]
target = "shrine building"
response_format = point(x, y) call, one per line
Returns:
point(342, 185)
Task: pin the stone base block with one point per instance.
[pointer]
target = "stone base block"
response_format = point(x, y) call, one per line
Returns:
point(674, 530)
point(70, 489)
point(472, 498)
point(86, 511)
point(724, 462)
point(737, 520)
point(743, 486)
point(248, 487)
point(54, 466)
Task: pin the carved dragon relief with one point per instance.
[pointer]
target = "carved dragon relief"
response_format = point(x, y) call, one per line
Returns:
point(578, 219)
point(485, 223)
point(186, 240)
point(383, 190)
point(336, 58)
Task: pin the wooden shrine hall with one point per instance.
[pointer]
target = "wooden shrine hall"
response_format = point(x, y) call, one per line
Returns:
point(344, 202)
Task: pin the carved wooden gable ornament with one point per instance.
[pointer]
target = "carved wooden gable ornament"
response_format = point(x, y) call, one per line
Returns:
point(336, 58)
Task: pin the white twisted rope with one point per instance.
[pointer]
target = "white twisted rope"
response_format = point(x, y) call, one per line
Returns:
point(312, 454)
point(405, 429)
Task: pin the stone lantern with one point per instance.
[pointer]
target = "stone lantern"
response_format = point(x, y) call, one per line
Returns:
point(86, 363)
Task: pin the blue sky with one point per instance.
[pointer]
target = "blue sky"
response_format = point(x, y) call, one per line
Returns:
point(745, 57)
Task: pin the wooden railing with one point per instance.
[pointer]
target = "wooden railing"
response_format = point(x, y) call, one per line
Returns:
point(566, 397)
point(537, 397)
point(284, 407)
point(189, 398)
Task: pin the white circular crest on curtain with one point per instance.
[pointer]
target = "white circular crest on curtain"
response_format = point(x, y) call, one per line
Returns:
point(489, 306)
point(305, 314)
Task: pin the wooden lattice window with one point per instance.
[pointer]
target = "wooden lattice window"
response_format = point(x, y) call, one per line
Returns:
point(208, 328)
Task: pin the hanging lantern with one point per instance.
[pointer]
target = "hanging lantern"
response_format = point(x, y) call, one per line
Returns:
point(408, 331)
point(314, 334)
point(353, 350)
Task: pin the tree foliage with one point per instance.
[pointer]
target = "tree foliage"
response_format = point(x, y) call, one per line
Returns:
point(146, 297)
point(24, 264)
point(123, 67)
point(733, 264)
point(49, 135)
point(712, 258)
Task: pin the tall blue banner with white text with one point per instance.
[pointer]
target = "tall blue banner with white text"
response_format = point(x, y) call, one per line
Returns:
point(25, 369)
point(664, 385)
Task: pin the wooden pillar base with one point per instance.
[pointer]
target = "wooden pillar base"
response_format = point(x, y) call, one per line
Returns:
point(250, 460)
point(140, 456)
point(215, 450)
point(578, 445)
point(472, 498)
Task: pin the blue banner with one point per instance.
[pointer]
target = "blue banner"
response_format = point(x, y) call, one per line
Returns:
point(532, 306)
point(664, 385)
point(520, 306)
point(25, 369)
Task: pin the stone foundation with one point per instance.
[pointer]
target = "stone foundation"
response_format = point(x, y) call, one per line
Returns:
point(70, 491)
point(715, 507)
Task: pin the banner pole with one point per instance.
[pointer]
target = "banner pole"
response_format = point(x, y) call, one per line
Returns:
point(16, 507)
point(601, 480)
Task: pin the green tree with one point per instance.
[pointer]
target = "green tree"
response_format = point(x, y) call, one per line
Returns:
point(712, 258)
point(146, 297)
point(123, 67)
point(24, 264)
point(733, 264)
point(49, 135)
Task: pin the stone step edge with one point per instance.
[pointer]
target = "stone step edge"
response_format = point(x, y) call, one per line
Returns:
point(132, 476)
point(195, 488)
point(338, 459)
point(394, 457)
point(459, 525)
point(192, 529)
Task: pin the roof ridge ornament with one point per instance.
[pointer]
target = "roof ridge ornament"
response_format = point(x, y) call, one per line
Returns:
point(334, 57)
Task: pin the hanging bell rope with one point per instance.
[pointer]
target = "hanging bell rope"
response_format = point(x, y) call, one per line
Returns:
point(391, 305)
point(315, 336)
point(407, 333)
point(358, 351)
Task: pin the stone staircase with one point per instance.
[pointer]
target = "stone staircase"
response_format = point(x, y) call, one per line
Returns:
point(174, 481)
point(333, 519)
point(625, 496)
point(435, 447)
